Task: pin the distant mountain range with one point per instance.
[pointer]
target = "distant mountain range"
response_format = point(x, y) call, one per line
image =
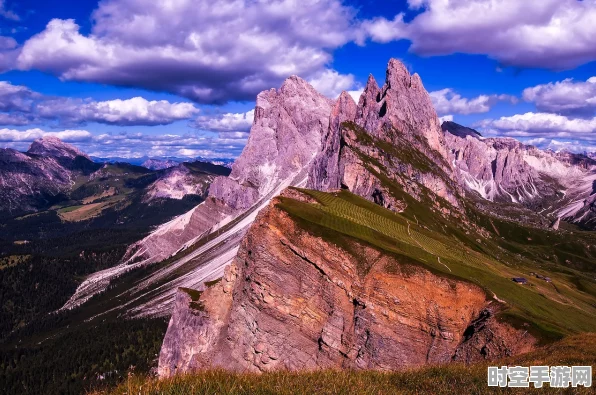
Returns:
point(55, 175)
point(159, 163)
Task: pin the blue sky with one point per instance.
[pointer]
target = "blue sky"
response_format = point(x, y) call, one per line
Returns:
point(179, 77)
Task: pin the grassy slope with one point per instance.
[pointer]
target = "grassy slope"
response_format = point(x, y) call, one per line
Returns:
point(553, 309)
point(449, 379)
point(566, 305)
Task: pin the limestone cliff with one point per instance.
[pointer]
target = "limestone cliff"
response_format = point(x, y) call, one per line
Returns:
point(504, 170)
point(295, 300)
point(285, 137)
point(393, 132)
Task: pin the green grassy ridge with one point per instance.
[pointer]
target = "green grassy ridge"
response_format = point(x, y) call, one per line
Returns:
point(445, 379)
point(524, 249)
point(388, 231)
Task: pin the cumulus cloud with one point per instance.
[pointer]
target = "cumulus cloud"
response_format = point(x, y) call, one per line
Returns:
point(210, 54)
point(546, 125)
point(129, 145)
point(554, 34)
point(567, 97)
point(132, 145)
point(446, 118)
point(16, 97)
point(7, 43)
point(17, 119)
point(29, 135)
point(331, 83)
point(382, 30)
point(228, 122)
point(446, 101)
point(135, 111)
point(19, 106)
point(562, 145)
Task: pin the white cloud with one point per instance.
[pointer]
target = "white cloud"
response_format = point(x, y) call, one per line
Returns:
point(331, 84)
point(382, 30)
point(228, 122)
point(134, 111)
point(541, 125)
point(16, 97)
point(19, 105)
point(205, 52)
point(559, 145)
point(29, 135)
point(356, 94)
point(446, 101)
point(131, 145)
point(7, 43)
point(555, 34)
point(564, 97)
point(14, 119)
point(446, 118)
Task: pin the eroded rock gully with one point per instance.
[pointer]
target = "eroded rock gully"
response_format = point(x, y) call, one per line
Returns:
point(292, 300)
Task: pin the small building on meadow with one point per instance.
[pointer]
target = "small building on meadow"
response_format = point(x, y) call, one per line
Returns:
point(520, 280)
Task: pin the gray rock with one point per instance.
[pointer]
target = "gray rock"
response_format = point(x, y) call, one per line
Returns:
point(33, 180)
point(286, 135)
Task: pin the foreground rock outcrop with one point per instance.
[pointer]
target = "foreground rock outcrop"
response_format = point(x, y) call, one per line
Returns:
point(294, 300)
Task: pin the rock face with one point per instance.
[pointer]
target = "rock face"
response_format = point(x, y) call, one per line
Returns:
point(43, 175)
point(393, 132)
point(285, 305)
point(54, 147)
point(560, 185)
point(325, 173)
point(184, 179)
point(495, 168)
point(401, 104)
point(286, 135)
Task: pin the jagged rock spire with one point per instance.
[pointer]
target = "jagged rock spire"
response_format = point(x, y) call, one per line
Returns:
point(325, 172)
point(286, 135)
point(402, 104)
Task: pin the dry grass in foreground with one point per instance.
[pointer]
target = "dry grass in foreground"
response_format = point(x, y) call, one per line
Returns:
point(447, 379)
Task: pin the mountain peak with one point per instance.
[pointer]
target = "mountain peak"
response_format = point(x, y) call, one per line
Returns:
point(459, 130)
point(401, 104)
point(53, 146)
point(296, 88)
point(397, 72)
point(345, 97)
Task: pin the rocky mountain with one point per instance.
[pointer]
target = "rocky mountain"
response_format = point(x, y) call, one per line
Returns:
point(325, 280)
point(159, 164)
point(373, 140)
point(41, 176)
point(184, 179)
point(285, 137)
point(283, 304)
point(557, 185)
point(363, 236)
point(55, 176)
